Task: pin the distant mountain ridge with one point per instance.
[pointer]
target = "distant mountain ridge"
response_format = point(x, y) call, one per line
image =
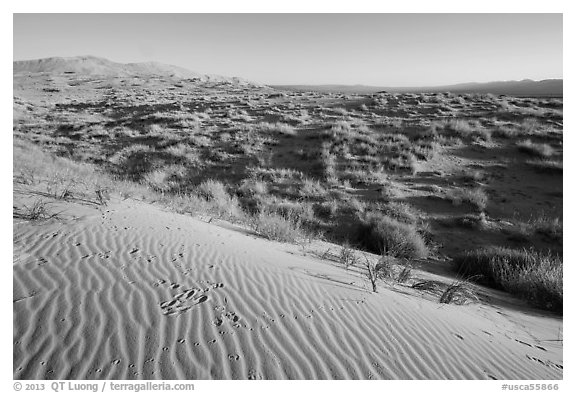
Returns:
point(526, 87)
point(92, 65)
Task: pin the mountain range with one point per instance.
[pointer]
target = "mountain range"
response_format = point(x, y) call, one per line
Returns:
point(91, 65)
point(526, 87)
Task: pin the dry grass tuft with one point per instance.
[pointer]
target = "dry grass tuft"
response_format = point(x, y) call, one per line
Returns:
point(459, 292)
point(529, 274)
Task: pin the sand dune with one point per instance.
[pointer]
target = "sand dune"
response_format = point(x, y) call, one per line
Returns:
point(133, 292)
point(97, 66)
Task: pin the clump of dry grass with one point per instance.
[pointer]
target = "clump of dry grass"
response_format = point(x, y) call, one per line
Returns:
point(527, 273)
point(547, 166)
point(385, 235)
point(274, 226)
point(223, 204)
point(476, 197)
point(348, 256)
point(37, 211)
point(405, 274)
point(428, 285)
point(542, 150)
point(459, 292)
point(468, 129)
point(279, 128)
point(378, 270)
point(550, 227)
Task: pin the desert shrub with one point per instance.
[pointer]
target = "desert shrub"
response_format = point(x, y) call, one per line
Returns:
point(542, 150)
point(348, 256)
point(312, 189)
point(476, 197)
point(505, 131)
point(459, 292)
point(158, 180)
point(530, 125)
point(402, 161)
point(381, 269)
point(61, 185)
point(385, 235)
point(221, 203)
point(405, 274)
point(550, 227)
point(165, 179)
point(340, 130)
point(474, 176)
point(133, 160)
point(529, 274)
point(340, 111)
point(37, 211)
point(426, 150)
point(329, 164)
point(156, 130)
point(280, 128)
point(185, 153)
point(252, 187)
point(400, 211)
point(471, 221)
point(547, 166)
point(326, 209)
point(300, 211)
point(274, 226)
point(468, 129)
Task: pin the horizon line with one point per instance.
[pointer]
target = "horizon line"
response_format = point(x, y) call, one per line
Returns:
point(298, 84)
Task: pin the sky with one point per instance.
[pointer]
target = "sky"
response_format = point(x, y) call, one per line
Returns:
point(369, 49)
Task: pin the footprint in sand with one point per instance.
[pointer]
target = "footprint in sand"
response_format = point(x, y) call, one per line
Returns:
point(187, 299)
point(254, 375)
point(546, 363)
point(178, 306)
point(530, 345)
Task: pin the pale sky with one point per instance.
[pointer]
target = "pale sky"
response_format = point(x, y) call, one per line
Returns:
point(370, 49)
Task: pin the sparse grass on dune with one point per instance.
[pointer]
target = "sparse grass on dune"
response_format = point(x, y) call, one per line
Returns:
point(468, 129)
point(459, 292)
point(384, 235)
point(280, 128)
point(547, 166)
point(529, 274)
point(476, 197)
point(274, 226)
point(551, 228)
point(37, 211)
point(541, 150)
point(292, 166)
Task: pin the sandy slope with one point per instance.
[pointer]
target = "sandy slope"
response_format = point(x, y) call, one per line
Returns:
point(133, 292)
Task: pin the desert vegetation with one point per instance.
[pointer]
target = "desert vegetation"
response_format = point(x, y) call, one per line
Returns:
point(404, 176)
point(530, 274)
